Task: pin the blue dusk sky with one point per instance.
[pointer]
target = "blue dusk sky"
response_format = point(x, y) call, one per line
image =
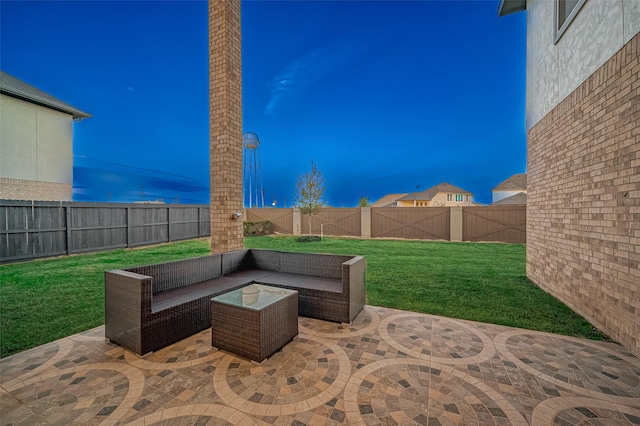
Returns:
point(385, 97)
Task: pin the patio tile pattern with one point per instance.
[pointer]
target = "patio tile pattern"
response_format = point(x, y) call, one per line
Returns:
point(388, 367)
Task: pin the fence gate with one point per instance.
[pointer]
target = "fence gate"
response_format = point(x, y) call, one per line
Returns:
point(428, 223)
point(494, 223)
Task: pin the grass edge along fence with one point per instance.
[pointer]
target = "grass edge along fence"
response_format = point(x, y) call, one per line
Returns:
point(31, 230)
point(49, 299)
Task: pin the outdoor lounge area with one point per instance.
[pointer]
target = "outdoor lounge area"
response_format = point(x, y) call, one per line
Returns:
point(387, 367)
point(150, 307)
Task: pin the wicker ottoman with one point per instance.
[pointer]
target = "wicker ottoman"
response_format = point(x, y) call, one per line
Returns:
point(254, 321)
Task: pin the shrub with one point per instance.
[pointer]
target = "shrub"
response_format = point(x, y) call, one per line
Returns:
point(258, 228)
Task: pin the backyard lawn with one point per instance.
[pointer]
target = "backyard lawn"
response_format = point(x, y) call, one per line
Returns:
point(41, 301)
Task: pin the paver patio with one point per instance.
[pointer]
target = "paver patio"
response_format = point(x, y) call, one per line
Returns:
point(388, 367)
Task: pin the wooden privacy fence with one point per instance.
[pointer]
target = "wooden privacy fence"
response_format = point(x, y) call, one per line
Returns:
point(477, 223)
point(30, 230)
point(494, 223)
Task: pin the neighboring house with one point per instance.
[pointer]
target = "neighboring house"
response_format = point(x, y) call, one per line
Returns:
point(389, 200)
point(516, 184)
point(36, 143)
point(519, 199)
point(442, 195)
point(583, 154)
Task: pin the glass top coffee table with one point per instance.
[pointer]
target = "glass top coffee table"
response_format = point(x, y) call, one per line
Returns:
point(254, 321)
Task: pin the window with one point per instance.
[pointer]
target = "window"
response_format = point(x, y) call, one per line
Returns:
point(566, 10)
point(448, 197)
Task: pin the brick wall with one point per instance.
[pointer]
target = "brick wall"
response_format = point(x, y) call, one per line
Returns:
point(583, 207)
point(33, 190)
point(225, 85)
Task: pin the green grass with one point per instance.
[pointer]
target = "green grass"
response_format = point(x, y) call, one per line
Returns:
point(45, 300)
point(475, 281)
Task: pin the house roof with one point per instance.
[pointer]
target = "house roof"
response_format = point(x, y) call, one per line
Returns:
point(428, 194)
point(516, 182)
point(507, 7)
point(388, 199)
point(520, 198)
point(16, 88)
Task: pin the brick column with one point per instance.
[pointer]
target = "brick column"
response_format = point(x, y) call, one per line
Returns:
point(225, 121)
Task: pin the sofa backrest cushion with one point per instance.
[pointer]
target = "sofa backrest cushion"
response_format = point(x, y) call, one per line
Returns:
point(317, 265)
point(267, 260)
point(180, 273)
point(233, 261)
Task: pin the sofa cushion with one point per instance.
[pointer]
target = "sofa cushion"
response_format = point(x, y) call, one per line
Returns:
point(300, 282)
point(268, 260)
point(209, 288)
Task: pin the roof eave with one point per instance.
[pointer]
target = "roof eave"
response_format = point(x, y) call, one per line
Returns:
point(76, 113)
point(507, 7)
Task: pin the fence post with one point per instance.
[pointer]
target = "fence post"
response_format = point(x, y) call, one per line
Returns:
point(128, 227)
point(365, 222)
point(297, 222)
point(455, 223)
point(169, 224)
point(68, 226)
point(199, 221)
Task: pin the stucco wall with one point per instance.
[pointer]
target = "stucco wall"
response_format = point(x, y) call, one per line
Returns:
point(36, 143)
point(440, 199)
point(410, 203)
point(554, 71)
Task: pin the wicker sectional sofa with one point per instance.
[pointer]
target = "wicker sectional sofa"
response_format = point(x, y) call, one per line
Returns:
point(150, 307)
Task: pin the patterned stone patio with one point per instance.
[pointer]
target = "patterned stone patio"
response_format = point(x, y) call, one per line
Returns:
point(389, 367)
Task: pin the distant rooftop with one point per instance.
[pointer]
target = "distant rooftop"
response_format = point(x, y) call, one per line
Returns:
point(387, 200)
point(516, 182)
point(519, 199)
point(16, 88)
point(428, 194)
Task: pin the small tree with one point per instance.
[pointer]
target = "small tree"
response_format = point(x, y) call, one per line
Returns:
point(309, 193)
point(364, 201)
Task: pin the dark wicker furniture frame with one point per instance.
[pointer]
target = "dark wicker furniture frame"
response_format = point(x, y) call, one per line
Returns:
point(251, 333)
point(150, 307)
